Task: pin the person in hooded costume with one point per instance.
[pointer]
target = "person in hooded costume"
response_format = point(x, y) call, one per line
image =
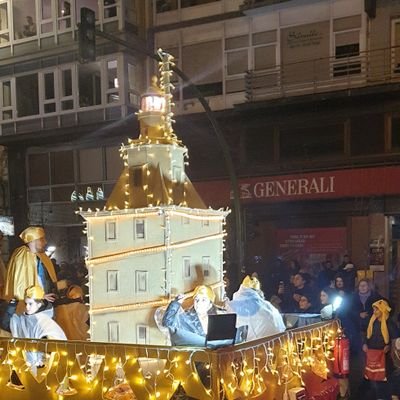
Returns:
point(261, 317)
point(29, 265)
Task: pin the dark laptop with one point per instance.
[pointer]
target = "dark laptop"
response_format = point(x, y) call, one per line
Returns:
point(222, 330)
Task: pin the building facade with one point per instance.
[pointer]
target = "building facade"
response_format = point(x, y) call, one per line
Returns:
point(61, 121)
point(306, 93)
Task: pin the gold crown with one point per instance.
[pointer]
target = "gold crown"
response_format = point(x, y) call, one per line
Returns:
point(251, 282)
point(32, 233)
point(34, 292)
point(205, 291)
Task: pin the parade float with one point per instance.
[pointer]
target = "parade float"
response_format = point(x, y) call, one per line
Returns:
point(156, 238)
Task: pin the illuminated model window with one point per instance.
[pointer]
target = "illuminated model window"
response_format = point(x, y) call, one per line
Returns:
point(142, 334)
point(141, 281)
point(113, 331)
point(111, 230)
point(140, 229)
point(112, 281)
point(206, 265)
point(186, 267)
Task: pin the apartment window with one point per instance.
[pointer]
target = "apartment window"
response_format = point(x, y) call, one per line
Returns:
point(347, 50)
point(200, 61)
point(39, 162)
point(311, 142)
point(186, 267)
point(141, 282)
point(113, 331)
point(395, 41)
point(395, 133)
point(6, 100)
point(4, 30)
point(191, 3)
point(46, 23)
point(91, 165)
point(142, 334)
point(112, 281)
point(62, 167)
point(92, 4)
point(236, 53)
point(112, 82)
point(27, 93)
point(367, 135)
point(111, 230)
point(89, 82)
point(47, 84)
point(110, 8)
point(205, 261)
point(24, 18)
point(140, 229)
point(64, 15)
point(132, 79)
point(67, 101)
point(166, 5)
point(114, 163)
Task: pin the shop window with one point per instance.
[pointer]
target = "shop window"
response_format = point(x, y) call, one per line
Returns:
point(61, 193)
point(62, 167)
point(89, 84)
point(396, 133)
point(24, 19)
point(27, 92)
point(367, 135)
point(64, 15)
point(311, 142)
point(38, 162)
point(38, 196)
point(4, 30)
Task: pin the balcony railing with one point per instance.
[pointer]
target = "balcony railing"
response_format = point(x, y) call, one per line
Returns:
point(370, 68)
point(262, 368)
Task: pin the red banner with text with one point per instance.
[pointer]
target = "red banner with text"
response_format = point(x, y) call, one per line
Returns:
point(322, 185)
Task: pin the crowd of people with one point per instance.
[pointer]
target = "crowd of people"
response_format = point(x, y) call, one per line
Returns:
point(367, 318)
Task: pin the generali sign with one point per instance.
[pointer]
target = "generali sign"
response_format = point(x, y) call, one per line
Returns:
point(361, 182)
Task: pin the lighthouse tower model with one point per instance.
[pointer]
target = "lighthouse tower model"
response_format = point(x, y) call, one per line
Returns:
point(155, 237)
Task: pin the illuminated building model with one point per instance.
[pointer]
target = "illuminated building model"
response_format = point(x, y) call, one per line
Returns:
point(155, 238)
